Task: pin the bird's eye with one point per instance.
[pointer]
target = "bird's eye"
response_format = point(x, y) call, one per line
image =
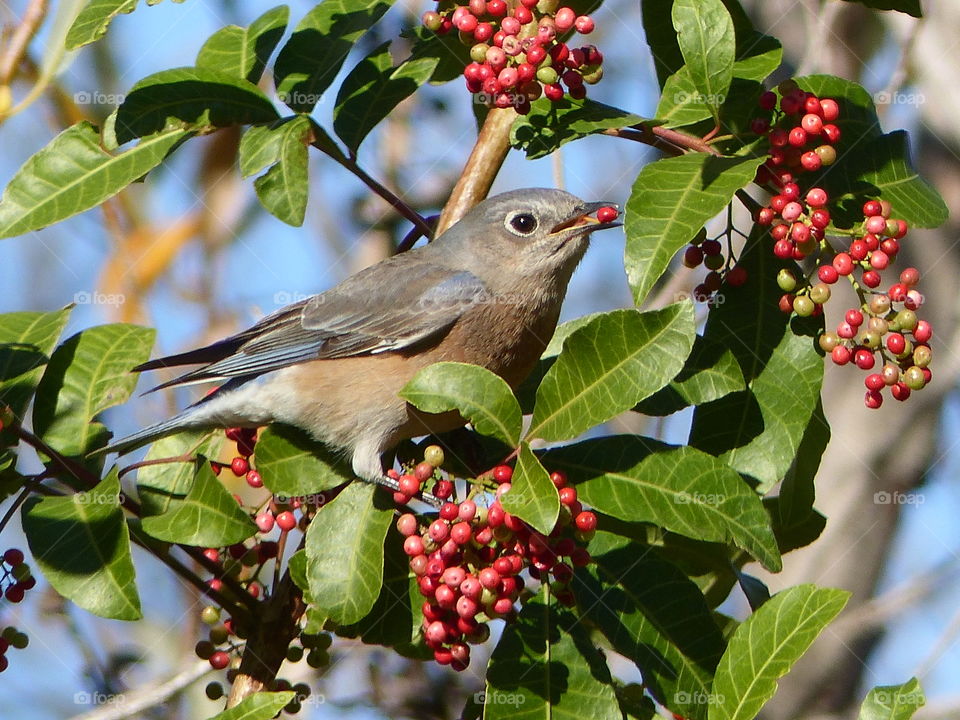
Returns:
point(522, 223)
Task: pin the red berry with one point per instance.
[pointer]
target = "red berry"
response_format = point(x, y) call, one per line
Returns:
point(408, 485)
point(736, 276)
point(286, 521)
point(817, 197)
point(896, 343)
point(443, 489)
point(840, 355)
point(768, 100)
point(820, 218)
point(811, 123)
point(797, 137)
point(439, 530)
point(843, 263)
point(239, 466)
point(568, 495)
point(13, 557)
point(874, 381)
point(219, 660)
point(265, 522)
point(522, 14)
point(828, 274)
point(503, 473)
point(565, 18)
point(496, 8)
point(923, 332)
point(607, 214)
point(829, 109)
point(854, 317)
point(584, 25)
point(873, 399)
point(778, 138)
point(871, 278)
point(831, 133)
point(864, 359)
point(253, 479)
point(811, 161)
point(586, 521)
point(910, 276)
point(489, 578)
point(900, 391)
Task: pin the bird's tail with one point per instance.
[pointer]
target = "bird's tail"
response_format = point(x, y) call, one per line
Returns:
point(146, 435)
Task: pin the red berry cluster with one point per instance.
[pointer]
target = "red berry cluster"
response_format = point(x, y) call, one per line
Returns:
point(709, 253)
point(516, 49)
point(468, 560)
point(246, 440)
point(800, 224)
point(801, 132)
point(15, 580)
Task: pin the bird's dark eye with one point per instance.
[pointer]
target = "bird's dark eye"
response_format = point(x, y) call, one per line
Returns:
point(523, 223)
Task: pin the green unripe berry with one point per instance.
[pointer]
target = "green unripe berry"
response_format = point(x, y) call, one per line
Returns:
point(478, 53)
point(210, 615)
point(593, 76)
point(820, 293)
point(803, 306)
point(870, 339)
point(547, 75)
point(713, 262)
point(295, 653)
point(913, 377)
point(218, 634)
point(921, 356)
point(828, 341)
point(880, 304)
point(907, 319)
point(20, 640)
point(433, 454)
point(786, 281)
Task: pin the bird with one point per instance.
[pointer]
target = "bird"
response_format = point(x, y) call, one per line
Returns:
point(487, 292)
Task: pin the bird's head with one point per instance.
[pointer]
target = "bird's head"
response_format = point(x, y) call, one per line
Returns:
point(535, 232)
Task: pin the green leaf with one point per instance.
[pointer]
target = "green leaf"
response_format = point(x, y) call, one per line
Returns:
point(259, 706)
point(882, 167)
point(161, 485)
point(450, 55)
point(795, 523)
point(373, 89)
point(671, 200)
point(893, 702)
point(26, 341)
point(313, 55)
point(681, 103)
point(394, 620)
point(209, 515)
point(480, 396)
point(72, 174)
point(243, 52)
point(661, 38)
point(550, 124)
point(294, 465)
point(708, 44)
point(766, 645)
point(546, 666)
point(609, 365)
point(532, 495)
point(82, 546)
point(676, 487)
point(297, 565)
point(190, 98)
point(87, 374)
point(283, 189)
point(757, 432)
point(710, 373)
point(651, 613)
point(910, 7)
point(345, 553)
point(93, 20)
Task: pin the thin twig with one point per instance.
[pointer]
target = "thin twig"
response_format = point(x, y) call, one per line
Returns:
point(32, 19)
point(133, 704)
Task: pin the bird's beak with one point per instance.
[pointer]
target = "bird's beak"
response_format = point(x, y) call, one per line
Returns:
point(582, 221)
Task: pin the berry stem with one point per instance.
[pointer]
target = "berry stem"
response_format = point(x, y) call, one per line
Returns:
point(670, 141)
point(481, 168)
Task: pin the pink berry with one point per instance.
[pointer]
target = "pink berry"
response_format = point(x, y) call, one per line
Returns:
point(923, 332)
point(286, 521)
point(584, 25)
point(264, 522)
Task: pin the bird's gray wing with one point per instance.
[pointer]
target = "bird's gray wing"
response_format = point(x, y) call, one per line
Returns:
point(390, 307)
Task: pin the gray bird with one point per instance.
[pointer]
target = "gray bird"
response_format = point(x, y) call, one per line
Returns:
point(487, 291)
